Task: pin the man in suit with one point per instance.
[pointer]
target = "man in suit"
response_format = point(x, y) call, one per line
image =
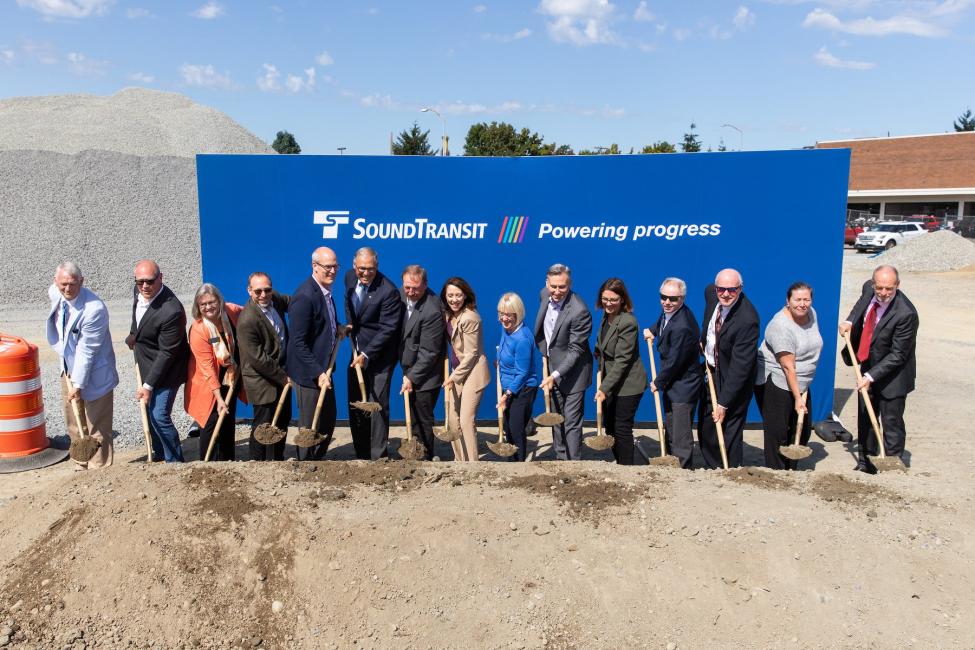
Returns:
point(422, 349)
point(314, 339)
point(77, 329)
point(158, 336)
point(562, 329)
point(883, 329)
point(729, 337)
point(679, 377)
point(262, 337)
point(375, 313)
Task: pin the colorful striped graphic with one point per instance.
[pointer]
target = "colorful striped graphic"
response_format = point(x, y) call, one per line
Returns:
point(513, 230)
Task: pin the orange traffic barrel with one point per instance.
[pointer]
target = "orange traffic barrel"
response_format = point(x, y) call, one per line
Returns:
point(22, 430)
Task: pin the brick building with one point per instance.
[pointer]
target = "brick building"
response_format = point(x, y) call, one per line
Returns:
point(895, 177)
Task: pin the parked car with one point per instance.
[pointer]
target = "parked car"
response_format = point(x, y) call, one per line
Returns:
point(931, 223)
point(850, 237)
point(887, 234)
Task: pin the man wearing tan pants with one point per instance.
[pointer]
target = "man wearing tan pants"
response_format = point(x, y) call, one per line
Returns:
point(77, 329)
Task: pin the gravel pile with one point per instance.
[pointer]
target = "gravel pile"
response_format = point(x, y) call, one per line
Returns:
point(937, 251)
point(104, 181)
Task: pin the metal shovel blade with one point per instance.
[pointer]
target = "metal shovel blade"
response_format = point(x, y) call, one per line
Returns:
point(665, 461)
point(599, 443)
point(83, 449)
point(888, 463)
point(268, 434)
point(549, 419)
point(502, 449)
point(368, 407)
point(308, 438)
point(446, 434)
point(412, 449)
point(795, 452)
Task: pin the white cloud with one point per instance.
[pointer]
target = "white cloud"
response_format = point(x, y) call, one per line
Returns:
point(949, 7)
point(204, 76)
point(681, 34)
point(507, 38)
point(7, 55)
point(870, 26)
point(67, 8)
point(824, 58)
point(296, 84)
point(209, 11)
point(269, 81)
point(82, 65)
point(138, 12)
point(324, 59)
point(378, 101)
point(42, 52)
point(580, 22)
point(141, 77)
point(744, 18)
point(643, 13)
point(479, 9)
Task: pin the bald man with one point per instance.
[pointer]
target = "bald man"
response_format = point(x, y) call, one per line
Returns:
point(883, 329)
point(729, 336)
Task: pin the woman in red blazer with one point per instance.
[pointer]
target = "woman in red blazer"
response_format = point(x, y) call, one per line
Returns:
point(214, 366)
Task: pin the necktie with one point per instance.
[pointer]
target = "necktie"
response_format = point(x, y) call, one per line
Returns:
point(663, 325)
point(360, 290)
point(276, 324)
point(64, 321)
point(869, 324)
point(331, 310)
point(717, 337)
point(409, 309)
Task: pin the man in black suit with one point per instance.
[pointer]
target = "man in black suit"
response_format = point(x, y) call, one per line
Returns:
point(421, 352)
point(158, 336)
point(679, 376)
point(375, 313)
point(262, 337)
point(729, 337)
point(314, 339)
point(883, 329)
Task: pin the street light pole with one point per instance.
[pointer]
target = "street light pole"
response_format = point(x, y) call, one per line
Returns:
point(342, 150)
point(443, 129)
point(741, 135)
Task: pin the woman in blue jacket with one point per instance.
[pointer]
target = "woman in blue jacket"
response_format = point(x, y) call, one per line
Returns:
point(519, 372)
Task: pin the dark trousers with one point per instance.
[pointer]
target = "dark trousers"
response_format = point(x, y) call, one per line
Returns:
point(567, 437)
point(263, 414)
point(422, 403)
point(307, 402)
point(370, 431)
point(780, 418)
point(678, 420)
point(223, 449)
point(517, 415)
point(618, 414)
point(707, 432)
point(890, 413)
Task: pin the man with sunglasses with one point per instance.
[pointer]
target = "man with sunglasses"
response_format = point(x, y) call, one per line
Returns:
point(730, 333)
point(158, 337)
point(679, 377)
point(315, 333)
point(262, 337)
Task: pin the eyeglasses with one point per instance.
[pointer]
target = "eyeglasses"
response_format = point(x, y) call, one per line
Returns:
point(365, 269)
point(140, 282)
point(666, 298)
point(328, 267)
point(610, 301)
point(208, 304)
point(731, 290)
point(262, 290)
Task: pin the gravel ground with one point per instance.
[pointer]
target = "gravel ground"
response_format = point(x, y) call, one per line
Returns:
point(936, 251)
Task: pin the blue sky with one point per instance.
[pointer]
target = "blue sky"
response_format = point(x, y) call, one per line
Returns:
point(581, 72)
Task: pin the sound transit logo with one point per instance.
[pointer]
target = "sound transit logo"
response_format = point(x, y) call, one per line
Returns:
point(513, 230)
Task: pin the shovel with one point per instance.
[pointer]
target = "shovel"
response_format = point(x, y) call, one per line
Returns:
point(268, 433)
point(220, 418)
point(548, 419)
point(883, 463)
point(446, 433)
point(599, 442)
point(143, 409)
point(411, 448)
point(310, 437)
point(501, 448)
point(84, 447)
point(663, 460)
point(717, 425)
point(363, 404)
point(797, 451)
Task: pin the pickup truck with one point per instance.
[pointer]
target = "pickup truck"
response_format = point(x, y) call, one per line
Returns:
point(887, 234)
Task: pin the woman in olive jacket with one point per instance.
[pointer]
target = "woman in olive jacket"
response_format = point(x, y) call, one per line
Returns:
point(624, 377)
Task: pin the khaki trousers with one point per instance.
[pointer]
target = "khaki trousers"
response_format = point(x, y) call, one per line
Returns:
point(465, 400)
point(98, 416)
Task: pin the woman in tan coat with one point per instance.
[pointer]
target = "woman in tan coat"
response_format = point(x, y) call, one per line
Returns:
point(471, 374)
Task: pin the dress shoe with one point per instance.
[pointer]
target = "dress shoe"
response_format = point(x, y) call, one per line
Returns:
point(865, 468)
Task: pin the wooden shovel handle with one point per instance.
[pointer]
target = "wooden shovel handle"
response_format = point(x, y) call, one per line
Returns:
point(143, 409)
point(497, 373)
point(717, 425)
point(448, 402)
point(220, 418)
point(802, 415)
point(76, 409)
point(599, 405)
point(318, 407)
point(866, 394)
point(409, 420)
point(545, 392)
point(656, 401)
point(280, 406)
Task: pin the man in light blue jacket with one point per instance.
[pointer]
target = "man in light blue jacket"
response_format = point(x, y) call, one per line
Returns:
point(77, 329)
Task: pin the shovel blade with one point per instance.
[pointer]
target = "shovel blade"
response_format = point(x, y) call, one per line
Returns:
point(307, 438)
point(549, 419)
point(368, 407)
point(795, 452)
point(888, 463)
point(665, 461)
point(269, 435)
point(412, 449)
point(502, 449)
point(600, 443)
point(83, 449)
point(445, 434)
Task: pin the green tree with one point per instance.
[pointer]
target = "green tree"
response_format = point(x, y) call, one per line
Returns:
point(501, 139)
point(412, 143)
point(285, 143)
point(611, 150)
point(661, 146)
point(965, 122)
point(691, 143)
point(721, 145)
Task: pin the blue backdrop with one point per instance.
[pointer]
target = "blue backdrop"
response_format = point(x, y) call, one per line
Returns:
point(775, 216)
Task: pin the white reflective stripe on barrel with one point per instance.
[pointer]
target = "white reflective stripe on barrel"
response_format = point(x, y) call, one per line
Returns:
point(22, 424)
point(20, 387)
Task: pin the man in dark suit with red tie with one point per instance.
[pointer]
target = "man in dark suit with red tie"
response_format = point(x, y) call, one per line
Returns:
point(729, 336)
point(883, 329)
